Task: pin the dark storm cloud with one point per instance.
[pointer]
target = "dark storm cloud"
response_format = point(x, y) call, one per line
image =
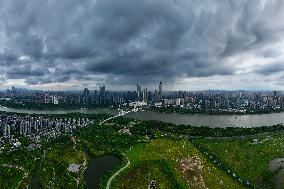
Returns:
point(24, 71)
point(130, 41)
point(271, 68)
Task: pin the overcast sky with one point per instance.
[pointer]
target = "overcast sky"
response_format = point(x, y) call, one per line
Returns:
point(188, 44)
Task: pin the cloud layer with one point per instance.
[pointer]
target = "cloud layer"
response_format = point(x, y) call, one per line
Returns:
point(122, 42)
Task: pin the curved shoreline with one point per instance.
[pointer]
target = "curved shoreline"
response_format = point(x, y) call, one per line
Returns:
point(213, 112)
point(117, 172)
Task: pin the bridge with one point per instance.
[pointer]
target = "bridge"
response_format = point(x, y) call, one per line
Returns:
point(120, 114)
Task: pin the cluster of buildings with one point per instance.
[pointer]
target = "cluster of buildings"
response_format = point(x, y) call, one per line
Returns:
point(100, 97)
point(210, 100)
point(146, 96)
point(200, 100)
point(20, 96)
point(35, 128)
point(230, 101)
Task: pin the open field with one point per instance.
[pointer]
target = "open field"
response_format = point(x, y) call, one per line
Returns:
point(188, 167)
point(249, 157)
point(142, 173)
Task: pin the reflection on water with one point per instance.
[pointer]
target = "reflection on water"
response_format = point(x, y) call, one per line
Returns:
point(254, 120)
point(97, 167)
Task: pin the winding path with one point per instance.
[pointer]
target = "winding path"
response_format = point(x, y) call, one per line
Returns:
point(121, 113)
point(117, 173)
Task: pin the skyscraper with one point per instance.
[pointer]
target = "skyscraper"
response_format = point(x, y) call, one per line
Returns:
point(86, 92)
point(138, 90)
point(102, 94)
point(160, 95)
point(145, 95)
point(14, 90)
point(55, 99)
point(156, 95)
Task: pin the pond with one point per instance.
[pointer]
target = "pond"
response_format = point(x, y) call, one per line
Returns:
point(97, 167)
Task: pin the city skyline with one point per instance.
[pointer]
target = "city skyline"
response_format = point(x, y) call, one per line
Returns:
point(129, 94)
point(134, 88)
point(63, 45)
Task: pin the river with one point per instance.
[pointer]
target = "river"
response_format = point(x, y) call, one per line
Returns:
point(250, 120)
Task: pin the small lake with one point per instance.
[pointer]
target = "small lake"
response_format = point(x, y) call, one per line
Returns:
point(98, 166)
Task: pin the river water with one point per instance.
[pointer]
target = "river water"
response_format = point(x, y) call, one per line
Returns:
point(252, 120)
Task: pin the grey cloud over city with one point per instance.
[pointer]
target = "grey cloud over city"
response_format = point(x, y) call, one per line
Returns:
point(190, 44)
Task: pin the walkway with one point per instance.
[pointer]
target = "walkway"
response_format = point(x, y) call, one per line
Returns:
point(117, 173)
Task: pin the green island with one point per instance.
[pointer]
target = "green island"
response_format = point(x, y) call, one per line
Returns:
point(150, 152)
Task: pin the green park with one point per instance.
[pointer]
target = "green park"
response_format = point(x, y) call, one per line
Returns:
point(172, 156)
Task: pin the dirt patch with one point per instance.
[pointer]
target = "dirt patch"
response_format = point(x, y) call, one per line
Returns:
point(275, 164)
point(191, 168)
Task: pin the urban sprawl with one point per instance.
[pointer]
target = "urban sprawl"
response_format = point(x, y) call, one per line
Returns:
point(35, 129)
point(202, 101)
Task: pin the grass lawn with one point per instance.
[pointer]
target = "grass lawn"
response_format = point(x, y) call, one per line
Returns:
point(247, 157)
point(142, 173)
point(186, 165)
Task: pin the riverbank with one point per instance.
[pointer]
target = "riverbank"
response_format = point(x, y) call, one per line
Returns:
point(212, 121)
point(213, 112)
point(169, 110)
